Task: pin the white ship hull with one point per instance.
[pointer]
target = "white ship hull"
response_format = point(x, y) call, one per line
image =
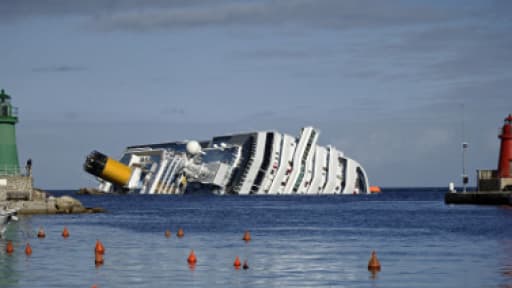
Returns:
point(261, 163)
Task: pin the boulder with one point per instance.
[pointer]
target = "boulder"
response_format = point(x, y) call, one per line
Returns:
point(67, 204)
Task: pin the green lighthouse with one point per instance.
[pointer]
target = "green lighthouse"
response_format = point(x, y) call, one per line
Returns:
point(9, 164)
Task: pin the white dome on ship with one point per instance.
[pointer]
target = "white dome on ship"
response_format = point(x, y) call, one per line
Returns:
point(193, 147)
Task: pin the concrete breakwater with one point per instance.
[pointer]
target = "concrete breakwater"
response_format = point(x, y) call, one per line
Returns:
point(494, 187)
point(18, 193)
point(43, 203)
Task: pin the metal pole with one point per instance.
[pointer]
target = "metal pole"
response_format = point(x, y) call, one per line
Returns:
point(464, 176)
point(464, 147)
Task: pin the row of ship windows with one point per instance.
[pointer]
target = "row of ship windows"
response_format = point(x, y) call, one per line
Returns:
point(304, 158)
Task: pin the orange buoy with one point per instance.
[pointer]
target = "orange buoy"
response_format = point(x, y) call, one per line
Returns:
point(167, 233)
point(245, 266)
point(98, 259)
point(28, 249)
point(247, 236)
point(65, 232)
point(237, 263)
point(99, 249)
point(40, 233)
point(94, 286)
point(9, 248)
point(192, 259)
point(375, 189)
point(180, 233)
point(373, 264)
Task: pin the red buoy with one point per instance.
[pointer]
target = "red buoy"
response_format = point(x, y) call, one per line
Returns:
point(9, 248)
point(247, 236)
point(99, 248)
point(374, 264)
point(180, 233)
point(65, 232)
point(28, 249)
point(237, 263)
point(375, 189)
point(40, 233)
point(505, 161)
point(98, 259)
point(192, 259)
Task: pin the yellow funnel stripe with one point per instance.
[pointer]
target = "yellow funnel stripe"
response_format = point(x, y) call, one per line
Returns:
point(116, 172)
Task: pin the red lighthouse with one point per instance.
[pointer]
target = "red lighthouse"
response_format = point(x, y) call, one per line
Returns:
point(505, 161)
point(494, 186)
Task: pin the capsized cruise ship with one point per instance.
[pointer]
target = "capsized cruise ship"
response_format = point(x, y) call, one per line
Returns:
point(262, 163)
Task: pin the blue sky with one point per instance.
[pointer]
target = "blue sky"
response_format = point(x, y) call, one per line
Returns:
point(387, 82)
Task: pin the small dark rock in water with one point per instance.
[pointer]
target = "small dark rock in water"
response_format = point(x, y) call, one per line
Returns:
point(89, 191)
point(95, 210)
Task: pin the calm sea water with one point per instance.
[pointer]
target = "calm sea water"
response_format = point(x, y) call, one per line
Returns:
point(297, 241)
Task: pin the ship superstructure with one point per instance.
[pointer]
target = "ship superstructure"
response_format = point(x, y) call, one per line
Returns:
point(261, 162)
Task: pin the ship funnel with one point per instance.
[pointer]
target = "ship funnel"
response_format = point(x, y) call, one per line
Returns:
point(108, 169)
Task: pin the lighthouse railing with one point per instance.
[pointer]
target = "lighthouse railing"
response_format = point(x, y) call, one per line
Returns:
point(8, 111)
point(9, 170)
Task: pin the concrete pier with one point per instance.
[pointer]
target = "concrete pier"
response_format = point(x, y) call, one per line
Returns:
point(494, 187)
point(17, 192)
point(43, 203)
point(479, 197)
point(16, 188)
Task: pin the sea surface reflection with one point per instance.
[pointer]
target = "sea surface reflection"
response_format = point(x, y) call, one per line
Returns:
point(297, 241)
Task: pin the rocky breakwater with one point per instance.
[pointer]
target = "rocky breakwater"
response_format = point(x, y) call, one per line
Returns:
point(41, 202)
